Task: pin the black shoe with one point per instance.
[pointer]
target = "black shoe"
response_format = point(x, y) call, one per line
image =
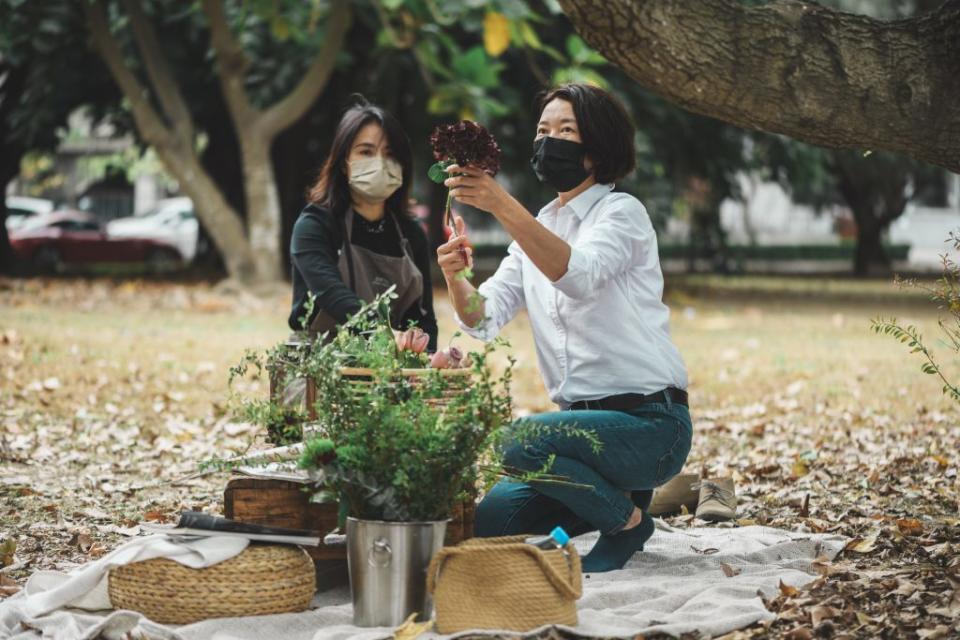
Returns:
point(611, 552)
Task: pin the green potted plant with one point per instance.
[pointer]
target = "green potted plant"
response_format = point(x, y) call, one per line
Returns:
point(397, 444)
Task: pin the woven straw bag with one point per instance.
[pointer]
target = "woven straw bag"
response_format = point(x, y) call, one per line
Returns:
point(261, 580)
point(504, 583)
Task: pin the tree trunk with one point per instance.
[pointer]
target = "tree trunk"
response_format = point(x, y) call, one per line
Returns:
point(221, 221)
point(875, 189)
point(870, 258)
point(173, 143)
point(250, 259)
point(263, 206)
point(815, 74)
point(6, 252)
point(9, 168)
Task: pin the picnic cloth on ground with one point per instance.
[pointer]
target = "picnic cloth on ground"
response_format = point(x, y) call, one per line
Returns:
point(85, 587)
point(677, 585)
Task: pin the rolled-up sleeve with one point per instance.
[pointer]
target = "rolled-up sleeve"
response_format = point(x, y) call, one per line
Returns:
point(502, 295)
point(608, 248)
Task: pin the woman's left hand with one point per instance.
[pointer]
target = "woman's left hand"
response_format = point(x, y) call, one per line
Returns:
point(476, 188)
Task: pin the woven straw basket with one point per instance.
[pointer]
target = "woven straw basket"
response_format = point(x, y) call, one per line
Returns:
point(358, 377)
point(456, 380)
point(503, 583)
point(261, 580)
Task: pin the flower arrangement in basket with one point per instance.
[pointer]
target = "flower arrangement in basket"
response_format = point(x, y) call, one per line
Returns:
point(395, 438)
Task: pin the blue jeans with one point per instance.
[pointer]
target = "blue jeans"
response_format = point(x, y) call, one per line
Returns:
point(640, 450)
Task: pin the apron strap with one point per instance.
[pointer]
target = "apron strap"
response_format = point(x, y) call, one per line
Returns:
point(408, 252)
point(346, 232)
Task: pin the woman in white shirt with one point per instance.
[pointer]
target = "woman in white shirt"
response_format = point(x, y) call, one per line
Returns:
point(587, 271)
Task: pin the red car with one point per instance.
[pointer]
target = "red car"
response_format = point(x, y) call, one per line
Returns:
point(50, 241)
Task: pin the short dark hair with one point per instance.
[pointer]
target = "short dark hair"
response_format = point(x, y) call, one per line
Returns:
point(332, 188)
point(606, 129)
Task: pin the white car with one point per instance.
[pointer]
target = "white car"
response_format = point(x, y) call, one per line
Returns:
point(171, 221)
point(19, 208)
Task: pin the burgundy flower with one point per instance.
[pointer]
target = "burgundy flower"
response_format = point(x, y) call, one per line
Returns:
point(466, 142)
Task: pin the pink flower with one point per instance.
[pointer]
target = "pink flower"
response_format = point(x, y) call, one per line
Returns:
point(455, 355)
point(413, 339)
point(419, 340)
point(440, 360)
point(403, 340)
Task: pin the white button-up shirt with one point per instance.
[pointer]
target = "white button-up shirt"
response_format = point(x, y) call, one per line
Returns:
point(601, 329)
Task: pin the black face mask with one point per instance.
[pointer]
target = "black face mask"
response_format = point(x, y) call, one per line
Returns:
point(559, 163)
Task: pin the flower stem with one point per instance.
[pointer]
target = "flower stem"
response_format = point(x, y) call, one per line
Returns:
point(447, 218)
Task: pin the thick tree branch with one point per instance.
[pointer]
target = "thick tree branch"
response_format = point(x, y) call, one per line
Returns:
point(791, 67)
point(168, 93)
point(291, 108)
point(151, 127)
point(232, 64)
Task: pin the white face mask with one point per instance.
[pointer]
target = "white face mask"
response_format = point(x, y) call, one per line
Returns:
point(375, 178)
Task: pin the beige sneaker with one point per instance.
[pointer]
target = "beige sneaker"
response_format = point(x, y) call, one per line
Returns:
point(718, 501)
point(678, 492)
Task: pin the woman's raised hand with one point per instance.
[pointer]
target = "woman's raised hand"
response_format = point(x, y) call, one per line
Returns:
point(476, 188)
point(456, 254)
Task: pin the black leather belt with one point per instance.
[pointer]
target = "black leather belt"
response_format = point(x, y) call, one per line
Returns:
point(628, 401)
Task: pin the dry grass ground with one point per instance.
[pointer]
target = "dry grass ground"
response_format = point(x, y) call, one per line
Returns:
point(112, 393)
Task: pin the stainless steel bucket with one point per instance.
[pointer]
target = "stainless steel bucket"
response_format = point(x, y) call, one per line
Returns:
point(388, 569)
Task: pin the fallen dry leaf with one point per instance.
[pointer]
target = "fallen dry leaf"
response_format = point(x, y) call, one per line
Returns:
point(866, 544)
point(937, 633)
point(800, 633)
point(910, 526)
point(8, 586)
point(7, 550)
point(730, 571)
point(705, 552)
point(819, 613)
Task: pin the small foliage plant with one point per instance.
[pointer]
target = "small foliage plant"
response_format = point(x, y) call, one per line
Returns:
point(945, 293)
point(399, 446)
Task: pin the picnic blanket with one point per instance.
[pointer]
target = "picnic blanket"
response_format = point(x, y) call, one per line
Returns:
point(677, 585)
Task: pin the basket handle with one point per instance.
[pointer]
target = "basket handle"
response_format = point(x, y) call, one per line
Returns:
point(560, 583)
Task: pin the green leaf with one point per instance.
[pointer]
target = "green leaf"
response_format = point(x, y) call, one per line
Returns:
point(530, 37)
point(581, 53)
point(437, 171)
point(280, 28)
point(476, 68)
point(578, 75)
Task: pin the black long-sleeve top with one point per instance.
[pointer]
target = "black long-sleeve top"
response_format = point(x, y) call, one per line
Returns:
point(314, 248)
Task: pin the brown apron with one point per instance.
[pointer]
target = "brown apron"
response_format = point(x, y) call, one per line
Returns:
point(369, 274)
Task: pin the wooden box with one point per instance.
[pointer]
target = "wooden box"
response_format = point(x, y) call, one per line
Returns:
point(280, 503)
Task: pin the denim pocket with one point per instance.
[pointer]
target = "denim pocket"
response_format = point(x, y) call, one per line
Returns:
point(671, 463)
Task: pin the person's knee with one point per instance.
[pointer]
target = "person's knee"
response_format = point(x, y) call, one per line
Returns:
point(518, 456)
point(492, 515)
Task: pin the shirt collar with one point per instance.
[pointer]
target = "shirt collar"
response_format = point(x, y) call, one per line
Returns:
point(582, 204)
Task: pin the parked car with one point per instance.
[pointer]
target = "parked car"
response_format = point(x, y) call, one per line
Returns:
point(171, 221)
point(48, 242)
point(21, 208)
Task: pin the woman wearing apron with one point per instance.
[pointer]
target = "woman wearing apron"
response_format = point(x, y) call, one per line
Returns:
point(355, 239)
point(587, 271)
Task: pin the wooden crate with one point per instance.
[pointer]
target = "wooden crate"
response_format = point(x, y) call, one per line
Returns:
point(280, 503)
